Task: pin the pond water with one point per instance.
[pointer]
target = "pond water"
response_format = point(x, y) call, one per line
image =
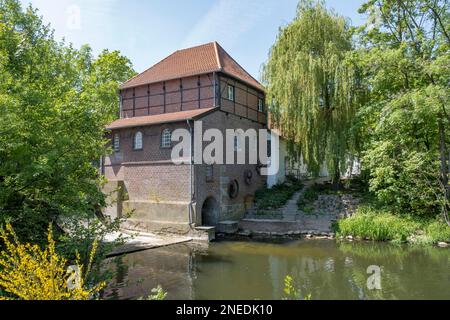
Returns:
point(237, 270)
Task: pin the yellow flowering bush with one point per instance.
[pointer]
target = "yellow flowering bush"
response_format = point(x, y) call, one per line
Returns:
point(29, 273)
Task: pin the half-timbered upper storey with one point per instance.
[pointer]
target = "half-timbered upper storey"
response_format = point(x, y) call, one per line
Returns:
point(201, 77)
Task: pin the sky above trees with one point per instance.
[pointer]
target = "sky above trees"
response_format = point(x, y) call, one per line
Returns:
point(147, 31)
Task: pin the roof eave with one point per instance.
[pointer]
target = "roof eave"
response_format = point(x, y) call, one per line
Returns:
point(193, 118)
point(260, 88)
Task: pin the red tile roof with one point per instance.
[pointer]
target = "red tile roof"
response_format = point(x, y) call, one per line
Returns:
point(159, 119)
point(207, 58)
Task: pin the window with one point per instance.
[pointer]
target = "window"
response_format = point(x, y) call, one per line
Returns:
point(138, 145)
point(231, 92)
point(233, 189)
point(210, 173)
point(260, 105)
point(116, 142)
point(166, 139)
point(237, 143)
point(269, 147)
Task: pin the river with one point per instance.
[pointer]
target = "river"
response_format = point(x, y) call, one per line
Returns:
point(325, 269)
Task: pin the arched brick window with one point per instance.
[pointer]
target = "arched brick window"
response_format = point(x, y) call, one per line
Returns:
point(138, 141)
point(166, 139)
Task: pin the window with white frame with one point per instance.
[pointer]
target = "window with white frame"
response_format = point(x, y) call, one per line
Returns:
point(138, 143)
point(260, 105)
point(231, 92)
point(116, 142)
point(166, 139)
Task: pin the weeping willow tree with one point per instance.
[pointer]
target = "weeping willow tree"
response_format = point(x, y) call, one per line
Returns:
point(312, 87)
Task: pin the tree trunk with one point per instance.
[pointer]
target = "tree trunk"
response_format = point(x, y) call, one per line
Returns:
point(445, 170)
point(336, 175)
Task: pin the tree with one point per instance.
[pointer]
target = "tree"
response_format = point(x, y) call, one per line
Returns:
point(313, 87)
point(54, 104)
point(404, 125)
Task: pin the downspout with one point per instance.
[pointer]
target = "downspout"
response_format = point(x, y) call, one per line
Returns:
point(191, 201)
point(215, 89)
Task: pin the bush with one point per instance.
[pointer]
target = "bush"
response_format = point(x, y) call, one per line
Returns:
point(29, 273)
point(307, 199)
point(278, 196)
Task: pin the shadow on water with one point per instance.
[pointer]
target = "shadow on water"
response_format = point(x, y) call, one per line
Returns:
point(256, 270)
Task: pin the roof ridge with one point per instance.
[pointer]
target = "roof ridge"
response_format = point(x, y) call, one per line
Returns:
point(197, 46)
point(216, 49)
point(242, 68)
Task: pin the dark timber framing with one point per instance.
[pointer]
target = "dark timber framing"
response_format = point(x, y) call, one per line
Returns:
point(216, 85)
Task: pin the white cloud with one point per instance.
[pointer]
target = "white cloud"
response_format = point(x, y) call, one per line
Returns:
point(227, 20)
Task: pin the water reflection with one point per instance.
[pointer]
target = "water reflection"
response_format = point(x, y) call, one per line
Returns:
point(256, 270)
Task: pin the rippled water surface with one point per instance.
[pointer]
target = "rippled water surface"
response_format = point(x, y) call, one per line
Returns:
point(256, 270)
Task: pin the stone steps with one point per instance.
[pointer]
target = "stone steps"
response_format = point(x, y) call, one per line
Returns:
point(228, 227)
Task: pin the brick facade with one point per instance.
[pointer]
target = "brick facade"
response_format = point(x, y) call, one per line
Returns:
point(166, 197)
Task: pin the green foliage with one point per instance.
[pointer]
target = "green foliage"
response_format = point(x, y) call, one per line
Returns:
point(79, 237)
point(55, 102)
point(379, 93)
point(310, 195)
point(278, 196)
point(157, 294)
point(292, 291)
point(379, 224)
point(438, 232)
point(403, 127)
point(313, 87)
point(307, 199)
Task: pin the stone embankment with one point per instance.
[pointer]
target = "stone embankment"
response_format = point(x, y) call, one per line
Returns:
point(289, 221)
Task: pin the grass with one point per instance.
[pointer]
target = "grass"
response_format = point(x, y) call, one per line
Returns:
point(373, 221)
point(278, 196)
point(379, 224)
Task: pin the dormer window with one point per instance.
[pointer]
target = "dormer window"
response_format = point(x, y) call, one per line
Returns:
point(260, 105)
point(231, 92)
point(138, 141)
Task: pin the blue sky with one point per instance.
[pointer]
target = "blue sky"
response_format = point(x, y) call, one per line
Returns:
point(146, 31)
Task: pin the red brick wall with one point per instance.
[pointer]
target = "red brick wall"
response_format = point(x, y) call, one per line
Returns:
point(149, 173)
point(231, 209)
